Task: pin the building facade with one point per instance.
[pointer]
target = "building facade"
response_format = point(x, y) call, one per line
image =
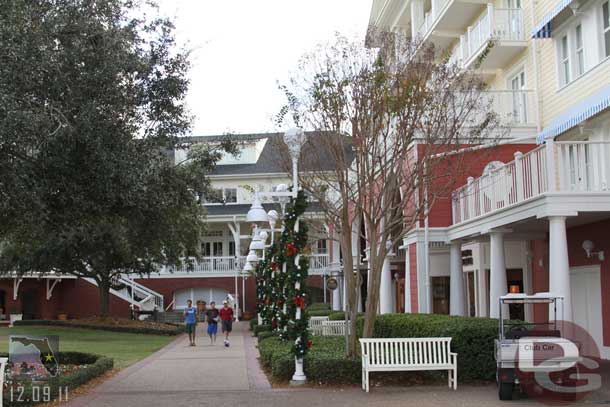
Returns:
point(218, 275)
point(533, 218)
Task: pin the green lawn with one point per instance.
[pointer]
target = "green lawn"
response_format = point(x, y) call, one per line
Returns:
point(124, 348)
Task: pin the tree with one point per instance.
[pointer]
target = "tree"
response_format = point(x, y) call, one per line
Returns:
point(91, 101)
point(385, 115)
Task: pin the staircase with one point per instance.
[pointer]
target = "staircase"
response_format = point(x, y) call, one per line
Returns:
point(136, 294)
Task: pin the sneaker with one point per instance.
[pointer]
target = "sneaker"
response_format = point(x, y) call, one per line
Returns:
point(227, 344)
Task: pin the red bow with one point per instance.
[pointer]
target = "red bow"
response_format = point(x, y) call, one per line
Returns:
point(273, 266)
point(299, 301)
point(291, 250)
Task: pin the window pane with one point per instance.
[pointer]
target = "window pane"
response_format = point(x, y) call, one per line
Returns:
point(217, 248)
point(578, 36)
point(607, 40)
point(231, 248)
point(231, 195)
point(606, 15)
point(564, 47)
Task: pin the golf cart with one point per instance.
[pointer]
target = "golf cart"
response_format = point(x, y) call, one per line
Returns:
point(519, 359)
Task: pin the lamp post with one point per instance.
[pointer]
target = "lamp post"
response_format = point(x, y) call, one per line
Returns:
point(294, 139)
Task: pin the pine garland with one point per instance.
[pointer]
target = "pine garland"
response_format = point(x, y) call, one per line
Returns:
point(281, 280)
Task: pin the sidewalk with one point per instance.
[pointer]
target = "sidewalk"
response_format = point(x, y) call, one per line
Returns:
point(180, 375)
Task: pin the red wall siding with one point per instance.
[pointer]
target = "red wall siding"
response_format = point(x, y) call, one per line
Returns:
point(413, 278)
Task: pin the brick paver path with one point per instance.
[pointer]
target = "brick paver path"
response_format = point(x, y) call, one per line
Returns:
point(179, 375)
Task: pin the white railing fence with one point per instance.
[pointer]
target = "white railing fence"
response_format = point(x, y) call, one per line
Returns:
point(494, 24)
point(431, 16)
point(557, 166)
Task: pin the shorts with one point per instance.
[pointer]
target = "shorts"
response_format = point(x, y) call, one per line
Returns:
point(227, 326)
point(190, 328)
point(212, 329)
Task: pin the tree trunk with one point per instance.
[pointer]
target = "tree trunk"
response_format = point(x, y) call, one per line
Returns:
point(104, 290)
point(351, 282)
point(375, 264)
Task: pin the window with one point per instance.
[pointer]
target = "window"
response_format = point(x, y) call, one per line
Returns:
point(230, 195)
point(580, 51)
point(564, 60)
point(206, 249)
point(231, 248)
point(606, 26)
point(517, 85)
point(217, 249)
point(321, 246)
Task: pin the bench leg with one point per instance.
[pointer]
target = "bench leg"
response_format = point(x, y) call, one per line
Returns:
point(449, 372)
point(455, 378)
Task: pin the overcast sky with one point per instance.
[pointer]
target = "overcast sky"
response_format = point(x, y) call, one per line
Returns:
point(241, 48)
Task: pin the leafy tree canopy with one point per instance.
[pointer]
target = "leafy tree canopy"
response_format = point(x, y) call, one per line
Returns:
point(91, 105)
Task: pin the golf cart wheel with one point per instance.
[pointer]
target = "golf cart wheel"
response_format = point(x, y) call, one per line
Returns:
point(505, 391)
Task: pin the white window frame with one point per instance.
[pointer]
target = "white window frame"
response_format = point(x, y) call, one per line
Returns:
point(605, 30)
point(224, 195)
point(563, 59)
point(580, 64)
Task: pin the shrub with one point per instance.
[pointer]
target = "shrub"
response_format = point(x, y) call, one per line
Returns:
point(265, 334)
point(319, 313)
point(473, 338)
point(149, 328)
point(253, 323)
point(324, 363)
point(261, 328)
point(97, 365)
point(318, 306)
point(340, 315)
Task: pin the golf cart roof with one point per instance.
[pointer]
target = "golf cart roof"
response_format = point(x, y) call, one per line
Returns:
point(543, 298)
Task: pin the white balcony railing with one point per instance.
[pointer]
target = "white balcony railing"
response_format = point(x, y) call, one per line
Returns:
point(580, 166)
point(430, 17)
point(229, 264)
point(494, 24)
point(513, 106)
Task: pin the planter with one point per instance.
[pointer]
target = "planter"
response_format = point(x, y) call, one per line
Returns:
point(62, 317)
point(246, 316)
point(15, 317)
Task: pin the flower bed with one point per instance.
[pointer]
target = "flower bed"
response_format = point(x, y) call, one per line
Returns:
point(111, 324)
point(75, 369)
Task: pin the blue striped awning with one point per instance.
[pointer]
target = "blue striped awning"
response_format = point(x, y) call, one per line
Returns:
point(576, 115)
point(543, 28)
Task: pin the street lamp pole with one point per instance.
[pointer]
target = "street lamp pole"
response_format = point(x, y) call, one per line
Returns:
point(294, 139)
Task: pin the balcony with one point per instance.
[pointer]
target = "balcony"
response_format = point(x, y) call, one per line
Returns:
point(560, 167)
point(229, 265)
point(495, 39)
point(447, 19)
point(514, 107)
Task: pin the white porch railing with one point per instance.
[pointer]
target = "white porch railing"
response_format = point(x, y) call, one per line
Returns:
point(580, 166)
point(228, 264)
point(430, 17)
point(494, 24)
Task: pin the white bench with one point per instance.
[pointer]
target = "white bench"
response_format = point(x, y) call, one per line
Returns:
point(407, 354)
point(315, 324)
point(333, 328)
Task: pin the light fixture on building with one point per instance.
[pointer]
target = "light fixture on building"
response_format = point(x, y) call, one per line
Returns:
point(273, 216)
point(514, 289)
point(588, 247)
point(257, 213)
point(257, 242)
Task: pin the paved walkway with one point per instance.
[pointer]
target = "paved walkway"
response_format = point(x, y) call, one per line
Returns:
point(180, 375)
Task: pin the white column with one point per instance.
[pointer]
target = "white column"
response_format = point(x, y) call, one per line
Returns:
point(385, 289)
point(481, 280)
point(497, 278)
point(417, 16)
point(407, 280)
point(337, 296)
point(456, 281)
point(559, 266)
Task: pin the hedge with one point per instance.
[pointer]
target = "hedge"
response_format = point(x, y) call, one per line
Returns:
point(97, 365)
point(324, 363)
point(265, 334)
point(319, 313)
point(340, 315)
point(253, 323)
point(473, 338)
point(473, 341)
point(169, 330)
point(261, 328)
point(318, 306)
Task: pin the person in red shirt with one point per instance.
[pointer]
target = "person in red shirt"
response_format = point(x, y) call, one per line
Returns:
point(226, 316)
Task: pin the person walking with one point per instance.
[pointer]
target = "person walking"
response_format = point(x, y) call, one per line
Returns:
point(212, 317)
point(190, 320)
point(226, 316)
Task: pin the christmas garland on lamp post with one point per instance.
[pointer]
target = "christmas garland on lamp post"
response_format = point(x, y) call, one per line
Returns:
point(281, 283)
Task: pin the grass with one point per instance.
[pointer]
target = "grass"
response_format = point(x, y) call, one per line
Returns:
point(124, 348)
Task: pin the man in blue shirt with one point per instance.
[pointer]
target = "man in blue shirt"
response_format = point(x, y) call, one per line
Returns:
point(190, 319)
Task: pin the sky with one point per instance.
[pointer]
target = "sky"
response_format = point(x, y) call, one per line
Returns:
point(240, 49)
